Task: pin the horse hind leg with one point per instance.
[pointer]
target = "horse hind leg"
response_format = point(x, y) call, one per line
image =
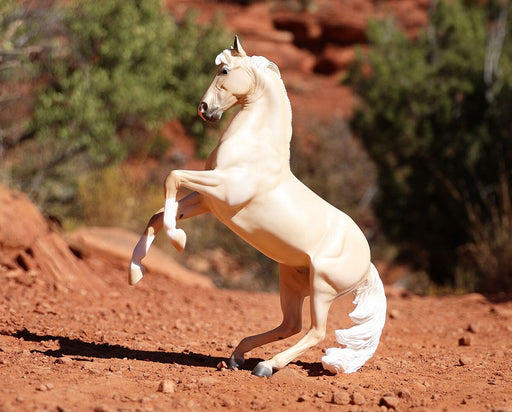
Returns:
point(321, 298)
point(362, 339)
point(292, 293)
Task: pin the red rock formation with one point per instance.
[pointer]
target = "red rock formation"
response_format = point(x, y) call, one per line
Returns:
point(29, 249)
point(27, 245)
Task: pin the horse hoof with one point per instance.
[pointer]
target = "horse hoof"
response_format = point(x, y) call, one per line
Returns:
point(136, 273)
point(234, 363)
point(262, 370)
point(178, 239)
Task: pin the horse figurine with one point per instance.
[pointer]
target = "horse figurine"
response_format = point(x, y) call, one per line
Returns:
point(248, 186)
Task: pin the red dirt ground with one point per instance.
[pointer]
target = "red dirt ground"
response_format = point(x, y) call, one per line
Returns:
point(99, 344)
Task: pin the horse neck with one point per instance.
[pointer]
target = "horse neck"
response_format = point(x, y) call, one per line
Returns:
point(267, 112)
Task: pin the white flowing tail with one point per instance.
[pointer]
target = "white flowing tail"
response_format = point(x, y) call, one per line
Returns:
point(362, 339)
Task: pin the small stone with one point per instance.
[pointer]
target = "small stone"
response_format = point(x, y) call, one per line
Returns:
point(389, 401)
point(419, 386)
point(63, 361)
point(166, 386)
point(222, 366)
point(340, 398)
point(474, 327)
point(465, 341)
point(394, 314)
point(404, 394)
point(465, 361)
point(357, 399)
point(303, 398)
point(45, 387)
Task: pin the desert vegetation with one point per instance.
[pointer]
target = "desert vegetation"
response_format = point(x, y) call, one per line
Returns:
point(435, 119)
point(423, 165)
point(89, 84)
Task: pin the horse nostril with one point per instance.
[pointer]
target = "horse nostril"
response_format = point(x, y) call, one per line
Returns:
point(203, 107)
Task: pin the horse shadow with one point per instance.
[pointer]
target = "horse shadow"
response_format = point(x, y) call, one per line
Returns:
point(82, 351)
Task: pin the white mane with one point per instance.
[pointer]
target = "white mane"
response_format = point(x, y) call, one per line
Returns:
point(259, 63)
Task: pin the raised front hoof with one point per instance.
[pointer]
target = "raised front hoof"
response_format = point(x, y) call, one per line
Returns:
point(178, 239)
point(262, 370)
point(136, 273)
point(234, 363)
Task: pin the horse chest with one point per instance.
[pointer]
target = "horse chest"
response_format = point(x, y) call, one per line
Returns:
point(239, 153)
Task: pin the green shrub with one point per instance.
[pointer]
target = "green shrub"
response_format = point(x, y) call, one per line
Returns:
point(110, 74)
point(118, 196)
point(435, 119)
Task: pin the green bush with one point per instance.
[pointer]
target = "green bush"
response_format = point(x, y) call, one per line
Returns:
point(435, 118)
point(110, 74)
point(118, 196)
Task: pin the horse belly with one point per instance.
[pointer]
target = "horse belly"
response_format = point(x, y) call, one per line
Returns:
point(278, 226)
point(283, 247)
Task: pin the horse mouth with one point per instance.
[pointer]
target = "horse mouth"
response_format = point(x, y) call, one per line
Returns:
point(210, 116)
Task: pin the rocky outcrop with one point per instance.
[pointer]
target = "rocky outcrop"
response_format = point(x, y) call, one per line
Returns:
point(313, 48)
point(30, 249)
point(27, 245)
point(308, 41)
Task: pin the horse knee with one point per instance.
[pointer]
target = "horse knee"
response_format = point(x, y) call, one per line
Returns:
point(171, 183)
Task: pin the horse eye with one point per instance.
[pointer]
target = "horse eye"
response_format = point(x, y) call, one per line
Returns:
point(224, 71)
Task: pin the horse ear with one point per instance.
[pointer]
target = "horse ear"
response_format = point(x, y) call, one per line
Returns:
point(238, 49)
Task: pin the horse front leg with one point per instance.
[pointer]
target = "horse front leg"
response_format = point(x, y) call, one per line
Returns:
point(140, 251)
point(189, 206)
point(204, 182)
point(292, 293)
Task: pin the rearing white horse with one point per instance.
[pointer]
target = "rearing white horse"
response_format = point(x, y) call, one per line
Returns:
point(248, 185)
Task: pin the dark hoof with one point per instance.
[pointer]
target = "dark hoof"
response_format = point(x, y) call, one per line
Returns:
point(233, 364)
point(262, 371)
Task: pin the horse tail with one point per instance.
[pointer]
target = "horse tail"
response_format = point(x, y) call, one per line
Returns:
point(360, 340)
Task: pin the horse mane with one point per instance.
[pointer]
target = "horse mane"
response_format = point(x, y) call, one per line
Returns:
point(259, 63)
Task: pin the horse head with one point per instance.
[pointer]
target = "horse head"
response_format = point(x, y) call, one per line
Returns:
point(233, 81)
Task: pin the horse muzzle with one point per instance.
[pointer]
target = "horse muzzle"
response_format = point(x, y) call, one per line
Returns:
point(208, 113)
